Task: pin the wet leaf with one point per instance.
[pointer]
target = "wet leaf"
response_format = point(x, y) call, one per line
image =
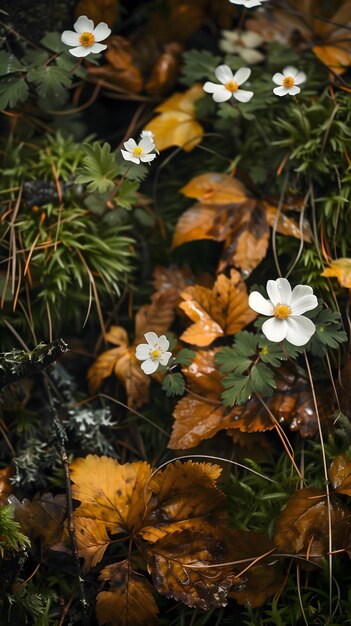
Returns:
point(185, 496)
point(129, 600)
point(286, 225)
point(218, 312)
point(340, 269)
point(303, 525)
point(215, 188)
point(340, 474)
point(176, 124)
point(165, 71)
point(110, 492)
point(157, 316)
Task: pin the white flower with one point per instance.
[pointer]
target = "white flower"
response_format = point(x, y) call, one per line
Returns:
point(286, 308)
point(139, 152)
point(85, 39)
point(230, 84)
point(248, 4)
point(242, 43)
point(153, 353)
point(288, 81)
point(147, 133)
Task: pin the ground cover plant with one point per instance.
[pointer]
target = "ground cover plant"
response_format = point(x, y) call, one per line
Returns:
point(175, 436)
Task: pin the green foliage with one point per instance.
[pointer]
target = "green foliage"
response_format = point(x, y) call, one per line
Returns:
point(10, 531)
point(174, 384)
point(99, 167)
point(126, 193)
point(12, 91)
point(199, 64)
point(51, 83)
point(329, 331)
point(185, 356)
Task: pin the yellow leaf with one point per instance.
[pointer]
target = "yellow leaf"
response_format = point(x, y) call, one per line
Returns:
point(176, 124)
point(340, 269)
point(92, 540)
point(215, 188)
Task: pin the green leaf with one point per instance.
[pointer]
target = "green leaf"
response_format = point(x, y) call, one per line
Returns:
point(262, 379)
point(9, 64)
point(51, 83)
point(329, 332)
point(99, 167)
point(238, 389)
point(185, 356)
point(52, 41)
point(229, 360)
point(12, 91)
point(199, 64)
point(173, 384)
point(34, 58)
point(127, 194)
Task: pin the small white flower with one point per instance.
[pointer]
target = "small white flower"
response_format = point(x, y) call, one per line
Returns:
point(147, 133)
point(248, 4)
point(288, 81)
point(139, 152)
point(86, 38)
point(230, 84)
point(153, 353)
point(242, 43)
point(286, 308)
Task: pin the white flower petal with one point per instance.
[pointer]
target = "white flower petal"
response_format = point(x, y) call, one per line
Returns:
point(70, 38)
point(147, 158)
point(251, 39)
point(280, 91)
point(290, 71)
point(130, 145)
point(164, 358)
point(210, 87)
point(150, 366)
point(101, 31)
point(223, 74)
point(278, 78)
point(142, 351)
point(306, 303)
point(299, 330)
point(274, 329)
point(151, 338)
point(81, 51)
point(147, 133)
point(163, 343)
point(232, 35)
point(98, 47)
point(293, 91)
point(242, 75)
point(83, 25)
point(229, 47)
point(221, 94)
point(251, 56)
point(146, 144)
point(129, 157)
point(300, 78)
point(279, 291)
point(260, 304)
point(299, 291)
point(242, 95)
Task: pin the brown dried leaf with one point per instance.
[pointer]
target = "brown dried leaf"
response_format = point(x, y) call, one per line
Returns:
point(98, 10)
point(340, 474)
point(215, 188)
point(185, 496)
point(223, 310)
point(165, 71)
point(92, 541)
point(129, 601)
point(42, 517)
point(157, 316)
point(303, 525)
point(340, 269)
point(5, 485)
point(109, 492)
point(286, 225)
point(121, 69)
point(176, 124)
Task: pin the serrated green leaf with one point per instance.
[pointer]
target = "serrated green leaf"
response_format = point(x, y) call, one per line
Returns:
point(99, 167)
point(230, 361)
point(126, 194)
point(52, 41)
point(51, 83)
point(199, 64)
point(238, 389)
point(185, 356)
point(246, 343)
point(262, 379)
point(9, 64)
point(173, 384)
point(271, 353)
point(34, 58)
point(12, 91)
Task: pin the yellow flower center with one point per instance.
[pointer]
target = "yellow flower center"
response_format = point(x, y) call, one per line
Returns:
point(137, 151)
point(232, 86)
point(155, 354)
point(282, 311)
point(87, 39)
point(288, 82)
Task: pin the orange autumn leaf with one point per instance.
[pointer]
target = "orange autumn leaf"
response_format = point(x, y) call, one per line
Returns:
point(121, 69)
point(157, 316)
point(98, 10)
point(165, 71)
point(340, 474)
point(215, 188)
point(217, 312)
point(176, 124)
point(304, 525)
point(128, 601)
point(5, 485)
point(110, 492)
point(340, 269)
point(185, 496)
point(286, 225)
point(92, 541)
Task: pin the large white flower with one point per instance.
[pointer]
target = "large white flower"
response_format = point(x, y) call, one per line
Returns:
point(248, 4)
point(242, 43)
point(86, 38)
point(153, 353)
point(230, 84)
point(139, 152)
point(288, 81)
point(286, 308)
